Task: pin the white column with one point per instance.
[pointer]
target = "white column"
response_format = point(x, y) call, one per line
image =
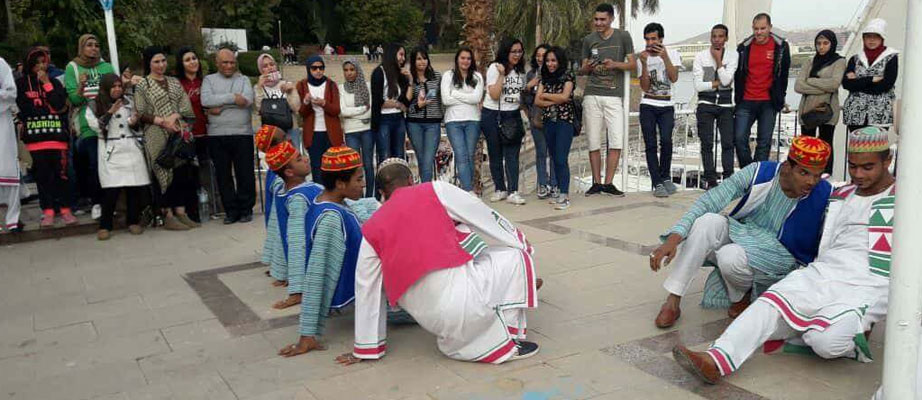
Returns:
point(905, 306)
point(730, 21)
point(626, 109)
point(110, 34)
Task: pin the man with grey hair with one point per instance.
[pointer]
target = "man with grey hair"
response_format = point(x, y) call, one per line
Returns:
point(228, 96)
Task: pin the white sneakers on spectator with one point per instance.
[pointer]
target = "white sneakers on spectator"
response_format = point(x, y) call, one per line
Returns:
point(498, 196)
point(96, 212)
point(563, 202)
point(515, 198)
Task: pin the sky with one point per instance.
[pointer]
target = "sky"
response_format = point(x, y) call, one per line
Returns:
point(686, 18)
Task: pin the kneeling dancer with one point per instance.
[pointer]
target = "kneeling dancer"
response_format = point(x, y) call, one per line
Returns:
point(774, 228)
point(472, 295)
point(830, 305)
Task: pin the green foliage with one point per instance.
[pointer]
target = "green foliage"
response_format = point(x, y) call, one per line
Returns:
point(383, 21)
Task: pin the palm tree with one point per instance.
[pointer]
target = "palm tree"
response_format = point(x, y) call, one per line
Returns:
point(478, 32)
point(648, 6)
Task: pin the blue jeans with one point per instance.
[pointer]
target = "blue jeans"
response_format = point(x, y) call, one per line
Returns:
point(463, 137)
point(392, 133)
point(364, 143)
point(651, 118)
point(504, 158)
point(542, 159)
point(747, 113)
point(319, 145)
point(294, 134)
point(425, 140)
point(559, 136)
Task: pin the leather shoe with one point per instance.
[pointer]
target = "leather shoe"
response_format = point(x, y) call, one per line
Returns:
point(667, 317)
point(245, 218)
point(737, 308)
point(698, 363)
point(230, 219)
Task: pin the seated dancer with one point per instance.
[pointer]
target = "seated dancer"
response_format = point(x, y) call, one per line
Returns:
point(329, 241)
point(472, 295)
point(830, 305)
point(774, 228)
point(266, 137)
point(291, 204)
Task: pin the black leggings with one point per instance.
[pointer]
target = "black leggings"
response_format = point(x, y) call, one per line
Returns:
point(133, 196)
point(49, 168)
point(826, 133)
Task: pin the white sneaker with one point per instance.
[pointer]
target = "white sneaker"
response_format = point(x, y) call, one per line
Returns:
point(96, 212)
point(498, 196)
point(562, 204)
point(515, 198)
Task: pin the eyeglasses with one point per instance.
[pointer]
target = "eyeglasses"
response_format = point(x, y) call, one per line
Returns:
point(318, 68)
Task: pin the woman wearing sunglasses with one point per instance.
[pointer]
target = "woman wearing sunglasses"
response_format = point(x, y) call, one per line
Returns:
point(320, 110)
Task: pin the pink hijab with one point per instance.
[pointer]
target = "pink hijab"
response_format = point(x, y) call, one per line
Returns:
point(261, 65)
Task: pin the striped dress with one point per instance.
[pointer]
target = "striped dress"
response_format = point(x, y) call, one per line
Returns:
point(757, 233)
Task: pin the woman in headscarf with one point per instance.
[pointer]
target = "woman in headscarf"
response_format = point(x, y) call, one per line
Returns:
point(355, 110)
point(870, 77)
point(165, 110)
point(818, 83)
point(320, 110)
point(81, 79)
point(42, 104)
point(272, 86)
point(121, 155)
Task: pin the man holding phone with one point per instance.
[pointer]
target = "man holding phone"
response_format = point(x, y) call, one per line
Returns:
point(606, 54)
point(657, 69)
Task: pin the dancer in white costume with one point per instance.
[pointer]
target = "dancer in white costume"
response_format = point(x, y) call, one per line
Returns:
point(472, 295)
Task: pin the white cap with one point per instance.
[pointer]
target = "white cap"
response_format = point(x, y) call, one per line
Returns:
point(878, 26)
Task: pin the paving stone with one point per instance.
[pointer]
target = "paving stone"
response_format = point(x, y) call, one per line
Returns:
point(400, 379)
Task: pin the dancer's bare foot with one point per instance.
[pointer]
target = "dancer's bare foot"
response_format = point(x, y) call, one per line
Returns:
point(278, 283)
point(304, 345)
point(291, 300)
point(348, 359)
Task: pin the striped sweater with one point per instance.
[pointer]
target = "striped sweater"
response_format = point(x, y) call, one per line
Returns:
point(433, 112)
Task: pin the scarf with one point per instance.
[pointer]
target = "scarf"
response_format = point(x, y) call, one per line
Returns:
point(358, 86)
point(821, 61)
point(872, 54)
point(81, 59)
point(310, 77)
point(270, 81)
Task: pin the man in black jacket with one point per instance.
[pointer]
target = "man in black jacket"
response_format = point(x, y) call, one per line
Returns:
point(761, 84)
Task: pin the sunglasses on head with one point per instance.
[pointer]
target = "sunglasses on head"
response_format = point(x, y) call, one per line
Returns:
point(318, 67)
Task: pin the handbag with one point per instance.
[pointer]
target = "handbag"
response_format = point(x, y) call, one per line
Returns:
point(275, 111)
point(819, 115)
point(511, 130)
point(178, 150)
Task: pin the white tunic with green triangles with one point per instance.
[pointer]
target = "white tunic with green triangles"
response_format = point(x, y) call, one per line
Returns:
point(851, 273)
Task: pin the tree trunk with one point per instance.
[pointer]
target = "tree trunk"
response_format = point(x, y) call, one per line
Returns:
point(538, 38)
point(9, 19)
point(478, 26)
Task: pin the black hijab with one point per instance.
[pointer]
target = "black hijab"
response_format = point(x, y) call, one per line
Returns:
point(820, 62)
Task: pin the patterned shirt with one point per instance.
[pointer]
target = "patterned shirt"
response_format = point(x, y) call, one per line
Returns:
point(560, 112)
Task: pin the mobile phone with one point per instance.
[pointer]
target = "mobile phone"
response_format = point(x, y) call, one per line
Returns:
point(430, 94)
point(594, 59)
point(275, 75)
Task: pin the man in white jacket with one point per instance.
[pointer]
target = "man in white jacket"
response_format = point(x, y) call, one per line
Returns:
point(713, 70)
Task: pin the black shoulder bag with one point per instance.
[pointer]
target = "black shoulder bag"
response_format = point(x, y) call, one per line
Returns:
point(511, 130)
point(275, 111)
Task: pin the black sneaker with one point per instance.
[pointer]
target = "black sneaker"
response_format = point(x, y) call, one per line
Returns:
point(245, 218)
point(596, 188)
point(612, 190)
point(230, 219)
point(524, 349)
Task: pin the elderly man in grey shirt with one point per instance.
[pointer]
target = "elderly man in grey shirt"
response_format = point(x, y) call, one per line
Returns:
point(228, 96)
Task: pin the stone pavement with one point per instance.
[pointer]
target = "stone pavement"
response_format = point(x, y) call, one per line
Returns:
point(185, 315)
